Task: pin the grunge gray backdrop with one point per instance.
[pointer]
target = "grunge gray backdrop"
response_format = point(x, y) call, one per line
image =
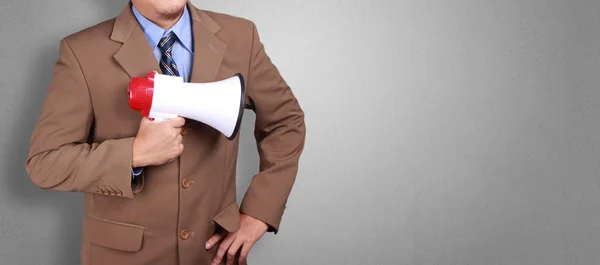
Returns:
point(438, 132)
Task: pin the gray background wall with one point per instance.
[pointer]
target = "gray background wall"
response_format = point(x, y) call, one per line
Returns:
point(439, 132)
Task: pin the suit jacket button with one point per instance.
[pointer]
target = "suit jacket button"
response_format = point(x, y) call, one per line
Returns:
point(186, 183)
point(184, 234)
point(119, 193)
point(99, 191)
point(105, 192)
point(112, 192)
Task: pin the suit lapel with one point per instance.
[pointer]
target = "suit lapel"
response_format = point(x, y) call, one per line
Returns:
point(135, 56)
point(208, 49)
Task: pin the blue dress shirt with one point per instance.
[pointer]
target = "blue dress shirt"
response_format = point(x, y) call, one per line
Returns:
point(182, 50)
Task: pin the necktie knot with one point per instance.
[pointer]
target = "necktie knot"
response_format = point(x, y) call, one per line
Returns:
point(166, 43)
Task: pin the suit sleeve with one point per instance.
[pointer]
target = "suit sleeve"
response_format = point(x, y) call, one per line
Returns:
point(61, 157)
point(279, 133)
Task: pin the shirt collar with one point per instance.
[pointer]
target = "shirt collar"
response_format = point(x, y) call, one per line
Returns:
point(182, 29)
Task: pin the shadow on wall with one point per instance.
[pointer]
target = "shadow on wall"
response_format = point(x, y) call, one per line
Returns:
point(68, 206)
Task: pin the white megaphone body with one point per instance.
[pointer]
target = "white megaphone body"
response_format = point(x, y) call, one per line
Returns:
point(219, 104)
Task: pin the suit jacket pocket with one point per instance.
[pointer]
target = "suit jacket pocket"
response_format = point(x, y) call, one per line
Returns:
point(114, 235)
point(229, 217)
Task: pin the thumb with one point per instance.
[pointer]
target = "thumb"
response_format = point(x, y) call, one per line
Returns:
point(177, 121)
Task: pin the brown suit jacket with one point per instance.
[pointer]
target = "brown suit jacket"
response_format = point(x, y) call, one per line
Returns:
point(83, 139)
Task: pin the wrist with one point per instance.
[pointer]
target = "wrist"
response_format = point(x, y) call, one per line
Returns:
point(136, 159)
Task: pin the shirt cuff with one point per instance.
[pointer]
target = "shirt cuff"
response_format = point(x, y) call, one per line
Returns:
point(136, 171)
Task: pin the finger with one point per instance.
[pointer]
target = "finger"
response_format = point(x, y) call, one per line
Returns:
point(223, 248)
point(213, 240)
point(245, 251)
point(178, 130)
point(180, 148)
point(233, 249)
point(177, 121)
point(179, 138)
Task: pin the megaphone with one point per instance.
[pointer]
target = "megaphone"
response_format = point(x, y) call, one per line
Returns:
point(218, 104)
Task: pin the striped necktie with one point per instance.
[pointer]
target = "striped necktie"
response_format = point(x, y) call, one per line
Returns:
point(167, 64)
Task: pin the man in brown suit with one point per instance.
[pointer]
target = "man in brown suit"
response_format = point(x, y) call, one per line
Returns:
point(180, 208)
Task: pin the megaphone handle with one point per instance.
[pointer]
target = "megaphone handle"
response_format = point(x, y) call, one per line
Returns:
point(161, 116)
